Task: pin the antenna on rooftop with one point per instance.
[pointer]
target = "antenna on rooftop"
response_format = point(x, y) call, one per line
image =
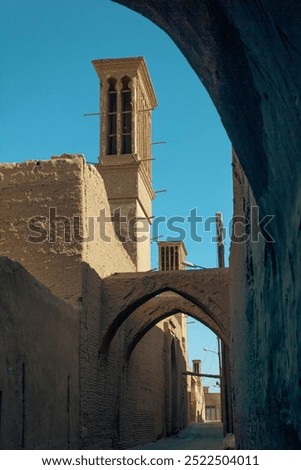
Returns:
point(220, 240)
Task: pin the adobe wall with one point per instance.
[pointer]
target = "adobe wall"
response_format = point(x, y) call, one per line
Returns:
point(132, 200)
point(31, 189)
point(197, 400)
point(265, 336)
point(144, 383)
point(39, 366)
point(153, 398)
point(103, 251)
point(50, 248)
point(213, 400)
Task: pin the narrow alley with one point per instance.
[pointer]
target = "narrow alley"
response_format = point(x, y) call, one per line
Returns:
point(197, 436)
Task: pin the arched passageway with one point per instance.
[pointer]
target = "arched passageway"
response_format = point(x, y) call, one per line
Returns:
point(166, 316)
point(160, 307)
point(207, 289)
point(136, 305)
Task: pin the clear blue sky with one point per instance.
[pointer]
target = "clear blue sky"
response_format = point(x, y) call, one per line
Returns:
point(47, 83)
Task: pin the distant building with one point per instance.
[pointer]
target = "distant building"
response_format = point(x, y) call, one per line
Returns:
point(196, 394)
point(212, 405)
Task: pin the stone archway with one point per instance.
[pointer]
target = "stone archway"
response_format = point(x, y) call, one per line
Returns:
point(157, 309)
point(132, 305)
point(123, 294)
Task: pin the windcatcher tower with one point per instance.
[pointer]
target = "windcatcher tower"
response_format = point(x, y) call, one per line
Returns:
point(127, 99)
point(171, 255)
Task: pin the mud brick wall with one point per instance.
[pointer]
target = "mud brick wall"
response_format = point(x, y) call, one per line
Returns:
point(39, 366)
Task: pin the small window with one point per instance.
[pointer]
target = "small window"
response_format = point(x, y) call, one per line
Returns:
point(112, 85)
point(112, 125)
point(112, 103)
point(211, 414)
point(126, 123)
point(126, 118)
point(112, 145)
point(112, 117)
point(167, 262)
point(127, 144)
point(172, 258)
point(177, 257)
point(162, 258)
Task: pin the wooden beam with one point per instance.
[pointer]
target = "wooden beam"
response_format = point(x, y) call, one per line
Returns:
point(211, 376)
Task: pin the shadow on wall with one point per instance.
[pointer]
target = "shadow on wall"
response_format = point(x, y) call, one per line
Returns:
point(39, 367)
point(153, 385)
